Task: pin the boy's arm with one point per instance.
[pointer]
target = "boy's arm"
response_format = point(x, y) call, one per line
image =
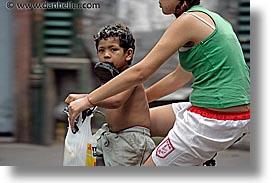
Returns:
point(172, 82)
point(116, 101)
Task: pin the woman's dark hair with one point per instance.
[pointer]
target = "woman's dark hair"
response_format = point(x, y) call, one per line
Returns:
point(191, 3)
point(122, 32)
point(179, 9)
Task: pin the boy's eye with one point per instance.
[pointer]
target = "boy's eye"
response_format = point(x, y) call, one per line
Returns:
point(100, 51)
point(114, 49)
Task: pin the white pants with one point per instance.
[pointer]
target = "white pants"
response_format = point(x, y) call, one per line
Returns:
point(198, 134)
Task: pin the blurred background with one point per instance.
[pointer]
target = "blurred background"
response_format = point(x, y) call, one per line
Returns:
point(48, 53)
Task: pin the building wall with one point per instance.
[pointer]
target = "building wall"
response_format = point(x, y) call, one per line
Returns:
point(22, 63)
point(15, 51)
point(7, 117)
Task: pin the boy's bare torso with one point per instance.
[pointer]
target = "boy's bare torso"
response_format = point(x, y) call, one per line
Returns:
point(134, 112)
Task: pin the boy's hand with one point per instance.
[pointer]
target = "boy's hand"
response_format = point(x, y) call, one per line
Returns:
point(75, 108)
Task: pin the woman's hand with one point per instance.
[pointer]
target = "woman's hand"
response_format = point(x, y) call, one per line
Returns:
point(73, 97)
point(75, 108)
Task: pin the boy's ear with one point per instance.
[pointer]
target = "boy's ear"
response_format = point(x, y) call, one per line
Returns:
point(129, 54)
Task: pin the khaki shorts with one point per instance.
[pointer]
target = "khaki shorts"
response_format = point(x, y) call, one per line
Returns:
point(198, 134)
point(129, 147)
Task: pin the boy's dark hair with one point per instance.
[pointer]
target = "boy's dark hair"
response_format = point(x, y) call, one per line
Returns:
point(124, 34)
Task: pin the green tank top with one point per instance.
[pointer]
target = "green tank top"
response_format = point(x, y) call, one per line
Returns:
point(221, 76)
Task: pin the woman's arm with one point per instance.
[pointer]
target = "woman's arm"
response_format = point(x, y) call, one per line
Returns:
point(172, 82)
point(116, 101)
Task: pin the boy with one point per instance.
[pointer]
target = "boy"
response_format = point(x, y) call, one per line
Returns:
point(125, 139)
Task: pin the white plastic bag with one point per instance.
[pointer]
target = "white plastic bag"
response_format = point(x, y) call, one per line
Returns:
point(76, 144)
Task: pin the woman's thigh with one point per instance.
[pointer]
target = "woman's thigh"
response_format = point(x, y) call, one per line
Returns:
point(162, 120)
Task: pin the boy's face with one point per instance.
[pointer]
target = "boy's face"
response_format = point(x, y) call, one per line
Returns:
point(110, 51)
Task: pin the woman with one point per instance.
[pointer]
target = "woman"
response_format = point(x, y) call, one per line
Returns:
point(218, 112)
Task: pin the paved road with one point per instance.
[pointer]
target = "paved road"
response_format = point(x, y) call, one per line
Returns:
point(15, 154)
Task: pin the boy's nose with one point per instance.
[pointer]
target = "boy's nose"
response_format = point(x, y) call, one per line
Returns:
point(107, 55)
